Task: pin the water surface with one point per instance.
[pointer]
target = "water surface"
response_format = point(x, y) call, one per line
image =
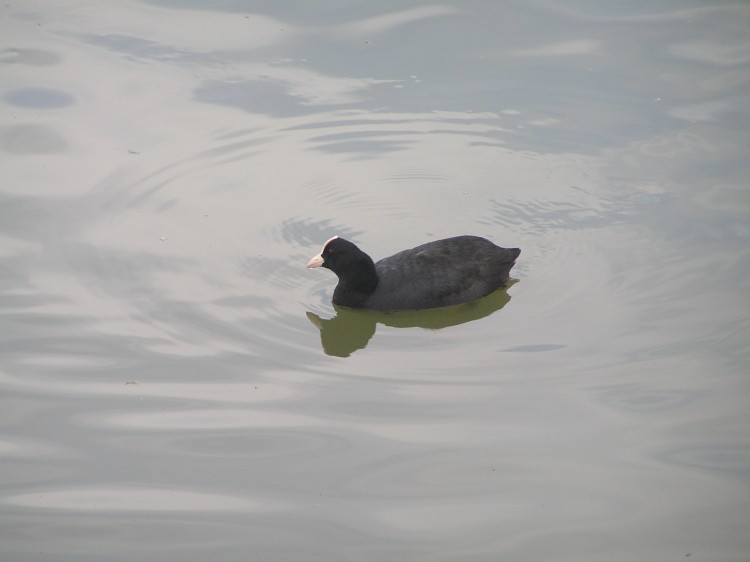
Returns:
point(177, 386)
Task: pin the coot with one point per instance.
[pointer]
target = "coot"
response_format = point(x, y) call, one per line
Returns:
point(440, 273)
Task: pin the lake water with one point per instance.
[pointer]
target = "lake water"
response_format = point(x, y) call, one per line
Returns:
point(176, 386)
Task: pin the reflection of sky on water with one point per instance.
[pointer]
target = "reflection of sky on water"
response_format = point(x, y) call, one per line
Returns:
point(137, 499)
point(41, 98)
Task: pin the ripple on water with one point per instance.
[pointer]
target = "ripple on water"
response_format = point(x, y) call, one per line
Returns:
point(733, 459)
point(276, 271)
point(193, 419)
point(258, 392)
point(30, 57)
point(449, 494)
point(346, 200)
point(22, 448)
point(39, 98)
point(121, 498)
point(116, 533)
point(32, 138)
point(218, 286)
point(307, 231)
point(646, 397)
point(258, 444)
point(538, 217)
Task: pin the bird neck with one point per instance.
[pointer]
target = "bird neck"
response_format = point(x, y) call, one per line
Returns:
point(358, 283)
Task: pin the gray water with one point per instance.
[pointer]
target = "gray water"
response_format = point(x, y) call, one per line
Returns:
point(176, 385)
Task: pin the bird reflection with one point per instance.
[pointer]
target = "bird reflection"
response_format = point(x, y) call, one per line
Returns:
point(351, 329)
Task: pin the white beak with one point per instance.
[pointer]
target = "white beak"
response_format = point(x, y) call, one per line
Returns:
point(317, 261)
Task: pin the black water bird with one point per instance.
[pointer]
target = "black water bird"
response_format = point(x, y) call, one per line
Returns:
point(440, 273)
